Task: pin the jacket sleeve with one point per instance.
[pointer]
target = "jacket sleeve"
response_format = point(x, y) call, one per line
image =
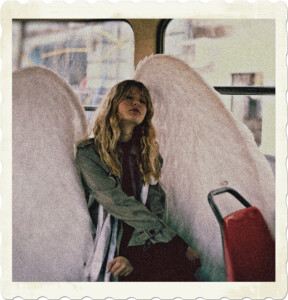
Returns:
point(108, 192)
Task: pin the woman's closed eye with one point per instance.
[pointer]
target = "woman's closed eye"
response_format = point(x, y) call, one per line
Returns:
point(141, 100)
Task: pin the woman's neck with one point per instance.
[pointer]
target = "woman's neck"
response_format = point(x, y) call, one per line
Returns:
point(126, 132)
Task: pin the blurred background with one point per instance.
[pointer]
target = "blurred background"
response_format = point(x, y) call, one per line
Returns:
point(93, 55)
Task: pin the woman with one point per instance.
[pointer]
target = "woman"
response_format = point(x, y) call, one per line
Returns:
point(117, 168)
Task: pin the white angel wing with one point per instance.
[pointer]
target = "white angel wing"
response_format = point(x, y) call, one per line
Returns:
point(51, 224)
point(204, 148)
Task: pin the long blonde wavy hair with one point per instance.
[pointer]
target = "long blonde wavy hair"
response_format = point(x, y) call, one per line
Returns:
point(107, 132)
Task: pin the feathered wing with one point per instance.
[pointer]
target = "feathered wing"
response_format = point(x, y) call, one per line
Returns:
point(51, 225)
point(204, 148)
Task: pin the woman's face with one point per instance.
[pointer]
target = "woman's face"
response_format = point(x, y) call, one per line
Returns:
point(133, 107)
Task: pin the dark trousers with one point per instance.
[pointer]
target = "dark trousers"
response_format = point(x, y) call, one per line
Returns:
point(160, 262)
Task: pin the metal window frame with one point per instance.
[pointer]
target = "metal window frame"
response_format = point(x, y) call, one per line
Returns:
point(229, 90)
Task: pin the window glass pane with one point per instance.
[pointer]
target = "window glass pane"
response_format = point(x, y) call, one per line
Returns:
point(230, 53)
point(91, 56)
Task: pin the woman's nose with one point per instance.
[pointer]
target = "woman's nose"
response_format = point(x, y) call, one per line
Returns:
point(136, 102)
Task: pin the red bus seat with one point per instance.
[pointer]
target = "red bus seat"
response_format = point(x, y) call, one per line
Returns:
point(249, 248)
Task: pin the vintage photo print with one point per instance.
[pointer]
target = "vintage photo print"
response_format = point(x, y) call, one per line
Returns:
point(144, 150)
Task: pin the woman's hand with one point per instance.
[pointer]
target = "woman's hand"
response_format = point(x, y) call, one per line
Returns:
point(120, 266)
point(193, 258)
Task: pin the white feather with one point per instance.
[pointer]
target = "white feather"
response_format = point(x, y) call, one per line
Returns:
point(204, 148)
point(51, 224)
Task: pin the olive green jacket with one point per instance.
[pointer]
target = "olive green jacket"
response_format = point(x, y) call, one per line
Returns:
point(106, 189)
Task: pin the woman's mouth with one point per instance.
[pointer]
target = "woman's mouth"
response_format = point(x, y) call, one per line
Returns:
point(135, 110)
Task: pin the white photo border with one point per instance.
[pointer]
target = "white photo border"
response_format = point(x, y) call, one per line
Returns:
point(144, 9)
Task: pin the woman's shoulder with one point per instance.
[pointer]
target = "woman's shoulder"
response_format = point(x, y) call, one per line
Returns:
point(86, 143)
point(86, 152)
point(87, 148)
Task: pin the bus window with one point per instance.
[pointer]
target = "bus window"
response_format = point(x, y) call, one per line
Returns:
point(227, 53)
point(91, 56)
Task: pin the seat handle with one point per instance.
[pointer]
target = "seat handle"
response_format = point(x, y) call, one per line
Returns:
point(219, 191)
